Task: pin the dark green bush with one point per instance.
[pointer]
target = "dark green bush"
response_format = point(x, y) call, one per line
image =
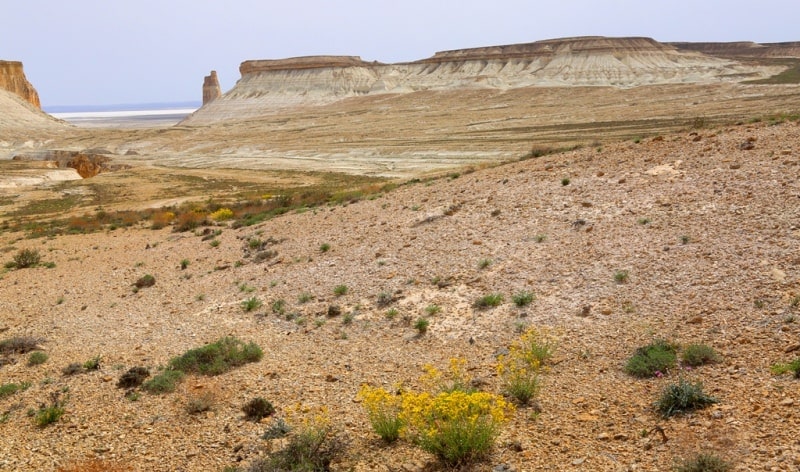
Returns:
point(257, 409)
point(647, 361)
point(134, 377)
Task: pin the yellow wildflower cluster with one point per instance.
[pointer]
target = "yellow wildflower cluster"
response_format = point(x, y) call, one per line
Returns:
point(222, 214)
point(453, 422)
point(526, 358)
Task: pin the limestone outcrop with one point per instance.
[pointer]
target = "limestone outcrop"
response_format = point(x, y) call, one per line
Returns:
point(268, 86)
point(211, 89)
point(12, 79)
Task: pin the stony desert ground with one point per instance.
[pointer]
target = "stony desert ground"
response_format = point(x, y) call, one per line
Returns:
point(706, 228)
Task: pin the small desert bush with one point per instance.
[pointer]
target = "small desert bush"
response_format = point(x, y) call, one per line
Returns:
point(257, 409)
point(19, 345)
point(165, 382)
point(324, 247)
point(252, 303)
point(134, 377)
point(37, 358)
point(12, 388)
point(146, 280)
point(699, 354)
point(304, 297)
point(278, 428)
point(421, 325)
point(48, 414)
point(26, 258)
point(703, 462)
point(217, 358)
point(72, 368)
point(340, 290)
point(488, 301)
point(523, 298)
point(484, 263)
point(432, 310)
point(793, 367)
point(654, 359)
point(200, 402)
point(621, 276)
point(92, 364)
point(383, 410)
point(682, 397)
point(385, 299)
point(519, 369)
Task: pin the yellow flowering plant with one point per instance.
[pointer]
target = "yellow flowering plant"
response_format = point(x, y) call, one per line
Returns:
point(222, 214)
point(383, 410)
point(452, 421)
point(526, 358)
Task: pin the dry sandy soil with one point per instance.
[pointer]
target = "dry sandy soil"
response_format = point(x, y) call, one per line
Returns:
point(709, 233)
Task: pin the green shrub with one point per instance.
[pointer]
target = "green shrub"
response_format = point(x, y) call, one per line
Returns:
point(305, 297)
point(37, 358)
point(12, 388)
point(278, 306)
point(340, 290)
point(26, 258)
point(252, 303)
point(184, 264)
point(257, 409)
point(565, 181)
point(621, 276)
point(703, 462)
point(793, 367)
point(49, 414)
point(484, 263)
point(488, 301)
point(324, 247)
point(92, 364)
point(699, 354)
point(523, 298)
point(165, 382)
point(277, 429)
point(217, 358)
point(682, 397)
point(422, 325)
point(432, 310)
point(654, 359)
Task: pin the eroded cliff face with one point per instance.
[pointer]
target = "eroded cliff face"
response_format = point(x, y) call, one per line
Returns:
point(12, 78)
point(745, 49)
point(267, 86)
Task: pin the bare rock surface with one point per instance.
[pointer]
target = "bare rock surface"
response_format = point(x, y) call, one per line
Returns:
point(711, 249)
point(12, 79)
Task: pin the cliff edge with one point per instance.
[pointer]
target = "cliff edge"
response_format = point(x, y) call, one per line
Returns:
point(268, 86)
point(12, 78)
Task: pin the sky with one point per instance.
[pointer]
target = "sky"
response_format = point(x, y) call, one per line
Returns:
point(104, 52)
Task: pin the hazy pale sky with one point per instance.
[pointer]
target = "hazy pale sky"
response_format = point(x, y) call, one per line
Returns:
point(95, 52)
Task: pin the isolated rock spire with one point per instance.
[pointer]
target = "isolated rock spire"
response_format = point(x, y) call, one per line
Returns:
point(211, 90)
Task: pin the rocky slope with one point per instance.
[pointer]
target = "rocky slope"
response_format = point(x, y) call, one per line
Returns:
point(267, 86)
point(744, 49)
point(705, 224)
